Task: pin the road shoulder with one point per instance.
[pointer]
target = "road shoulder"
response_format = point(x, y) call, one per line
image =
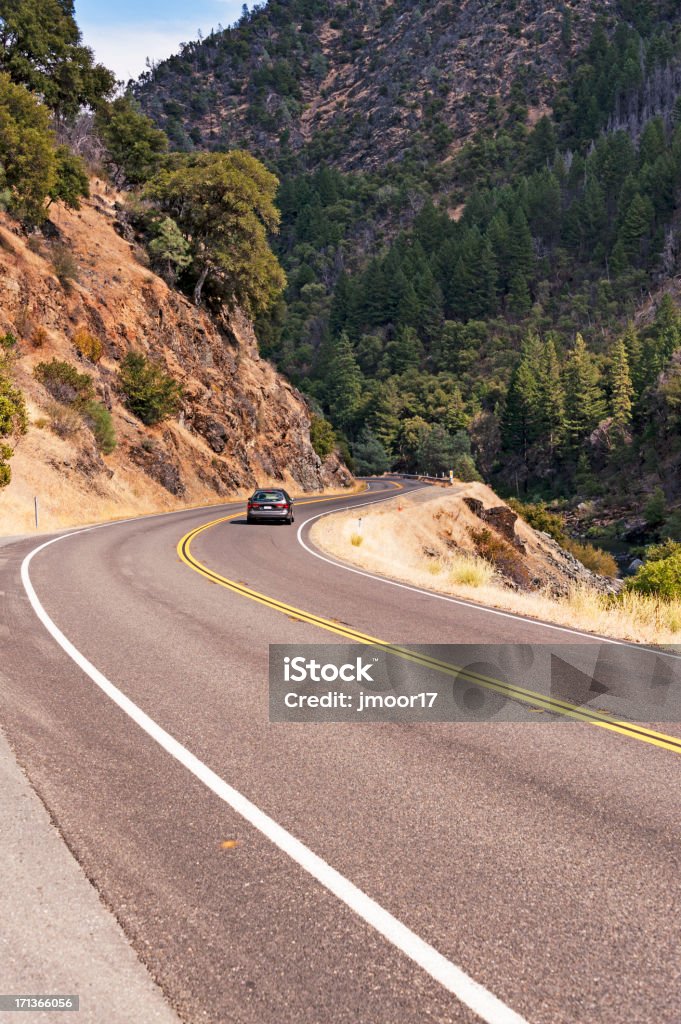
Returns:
point(57, 937)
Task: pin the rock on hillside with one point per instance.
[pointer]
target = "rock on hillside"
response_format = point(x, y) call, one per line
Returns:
point(240, 422)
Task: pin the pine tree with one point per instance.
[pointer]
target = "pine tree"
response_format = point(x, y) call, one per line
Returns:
point(636, 227)
point(405, 352)
point(170, 247)
point(521, 251)
point(383, 412)
point(550, 400)
point(634, 350)
point(369, 455)
point(521, 422)
point(519, 300)
point(621, 389)
point(488, 277)
point(344, 382)
point(584, 406)
point(667, 327)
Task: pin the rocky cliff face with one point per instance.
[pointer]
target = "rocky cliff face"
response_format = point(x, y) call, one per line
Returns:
point(240, 422)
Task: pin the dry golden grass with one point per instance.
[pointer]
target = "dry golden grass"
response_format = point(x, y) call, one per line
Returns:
point(393, 547)
point(469, 571)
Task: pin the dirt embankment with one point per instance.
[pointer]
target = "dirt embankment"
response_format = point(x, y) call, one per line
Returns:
point(421, 532)
point(468, 543)
point(240, 422)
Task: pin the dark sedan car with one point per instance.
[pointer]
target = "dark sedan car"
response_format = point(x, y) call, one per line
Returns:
point(272, 504)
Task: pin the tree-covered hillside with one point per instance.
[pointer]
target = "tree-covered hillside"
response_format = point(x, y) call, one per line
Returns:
point(477, 202)
point(359, 82)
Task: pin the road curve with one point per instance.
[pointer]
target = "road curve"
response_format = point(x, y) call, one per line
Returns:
point(541, 860)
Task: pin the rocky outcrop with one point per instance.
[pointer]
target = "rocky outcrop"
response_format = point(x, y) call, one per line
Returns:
point(240, 422)
point(525, 558)
point(500, 517)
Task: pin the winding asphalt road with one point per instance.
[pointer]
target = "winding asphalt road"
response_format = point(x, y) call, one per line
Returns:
point(516, 871)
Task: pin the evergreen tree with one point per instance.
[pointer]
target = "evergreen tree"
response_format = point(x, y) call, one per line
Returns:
point(384, 407)
point(41, 48)
point(133, 143)
point(224, 205)
point(405, 352)
point(584, 405)
point(636, 227)
point(634, 351)
point(667, 327)
point(71, 179)
point(438, 450)
point(343, 389)
point(521, 252)
point(369, 455)
point(550, 400)
point(621, 389)
point(170, 248)
point(28, 168)
point(521, 423)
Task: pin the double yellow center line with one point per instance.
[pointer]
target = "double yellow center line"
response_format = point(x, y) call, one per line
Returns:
point(533, 698)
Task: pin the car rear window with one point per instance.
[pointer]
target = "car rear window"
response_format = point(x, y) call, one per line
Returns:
point(268, 496)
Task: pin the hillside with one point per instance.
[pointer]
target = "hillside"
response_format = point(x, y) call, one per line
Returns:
point(481, 227)
point(362, 83)
point(239, 421)
point(464, 541)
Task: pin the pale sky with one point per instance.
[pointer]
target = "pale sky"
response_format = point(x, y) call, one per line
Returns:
point(123, 34)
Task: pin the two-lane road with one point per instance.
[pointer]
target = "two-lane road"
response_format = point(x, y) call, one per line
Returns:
point(540, 861)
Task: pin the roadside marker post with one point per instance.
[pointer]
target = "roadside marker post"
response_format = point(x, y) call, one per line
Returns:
point(35, 509)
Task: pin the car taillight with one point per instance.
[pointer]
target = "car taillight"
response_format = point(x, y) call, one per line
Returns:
point(281, 504)
point(250, 505)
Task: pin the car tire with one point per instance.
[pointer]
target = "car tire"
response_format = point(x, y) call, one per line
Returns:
point(250, 520)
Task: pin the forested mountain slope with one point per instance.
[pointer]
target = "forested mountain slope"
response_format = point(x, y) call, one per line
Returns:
point(361, 82)
point(479, 201)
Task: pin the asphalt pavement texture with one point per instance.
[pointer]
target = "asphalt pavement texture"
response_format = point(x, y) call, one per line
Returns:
point(542, 859)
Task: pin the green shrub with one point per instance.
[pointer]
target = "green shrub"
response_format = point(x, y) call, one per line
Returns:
point(655, 510)
point(150, 393)
point(660, 578)
point(71, 179)
point(8, 343)
point(99, 420)
point(13, 417)
point(464, 468)
point(322, 436)
point(593, 558)
point(539, 518)
point(656, 552)
point(65, 383)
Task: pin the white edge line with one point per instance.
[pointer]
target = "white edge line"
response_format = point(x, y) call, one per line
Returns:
point(469, 992)
point(461, 601)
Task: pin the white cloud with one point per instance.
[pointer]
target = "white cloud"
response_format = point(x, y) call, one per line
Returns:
point(125, 49)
